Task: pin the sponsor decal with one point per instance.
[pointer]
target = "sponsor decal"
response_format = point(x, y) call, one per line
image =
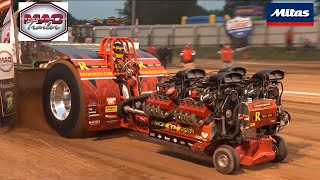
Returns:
point(175, 140)
point(239, 27)
point(204, 134)
point(93, 104)
point(166, 138)
point(6, 61)
point(92, 113)
point(243, 116)
point(94, 122)
point(7, 97)
point(261, 105)
point(84, 67)
point(252, 124)
point(111, 100)
point(258, 116)
point(290, 14)
point(198, 137)
point(111, 116)
point(109, 109)
point(173, 127)
point(112, 121)
point(43, 21)
point(152, 134)
point(153, 72)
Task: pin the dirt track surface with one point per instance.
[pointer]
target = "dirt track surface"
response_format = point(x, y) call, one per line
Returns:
point(33, 151)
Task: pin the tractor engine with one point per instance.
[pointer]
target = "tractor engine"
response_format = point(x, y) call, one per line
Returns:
point(192, 112)
point(162, 103)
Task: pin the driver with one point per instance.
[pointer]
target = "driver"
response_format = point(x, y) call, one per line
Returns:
point(118, 53)
point(123, 66)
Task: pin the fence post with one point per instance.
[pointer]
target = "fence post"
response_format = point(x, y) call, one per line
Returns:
point(173, 35)
point(266, 36)
point(219, 36)
point(194, 35)
point(151, 35)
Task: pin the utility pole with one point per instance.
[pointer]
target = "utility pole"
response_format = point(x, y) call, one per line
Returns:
point(133, 12)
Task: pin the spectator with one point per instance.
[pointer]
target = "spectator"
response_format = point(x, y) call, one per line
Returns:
point(307, 45)
point(152, 50)
point(163, 54)
point(226, 55)
point(187, 56)
point(289, 39)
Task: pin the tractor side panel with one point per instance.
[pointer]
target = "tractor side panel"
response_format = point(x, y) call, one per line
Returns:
point(151, 72)
point(101, 94)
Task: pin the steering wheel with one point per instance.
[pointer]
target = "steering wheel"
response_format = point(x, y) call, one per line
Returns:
point(131, 68)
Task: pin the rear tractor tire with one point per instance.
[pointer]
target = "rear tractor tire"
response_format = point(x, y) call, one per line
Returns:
point(226, 160)
point(63, 101)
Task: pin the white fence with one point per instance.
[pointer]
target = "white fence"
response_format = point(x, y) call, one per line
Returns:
point(208, 35)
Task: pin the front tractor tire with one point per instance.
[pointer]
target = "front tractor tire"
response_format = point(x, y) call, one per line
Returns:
point(281, 149)
point(226, 160)
point(63, 100)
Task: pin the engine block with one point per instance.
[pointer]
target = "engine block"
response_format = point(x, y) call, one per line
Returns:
point(192, 113)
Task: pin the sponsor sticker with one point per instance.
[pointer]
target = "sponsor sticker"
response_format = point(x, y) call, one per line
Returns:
point(111, 100)
point(93, 104)
point(109, 109)
point(94, 122)
point(173, 127)
point(6, 61)
point(261, 105)
point(204, 134)
point(43, 21)
point(239, 27)
point(111, 116)
point(290, 14)
point(166, 138)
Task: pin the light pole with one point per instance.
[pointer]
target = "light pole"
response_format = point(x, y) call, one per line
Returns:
point(133, 12)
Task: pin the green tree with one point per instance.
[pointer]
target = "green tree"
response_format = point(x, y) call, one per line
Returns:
point(162, 11)
point(317, 6)
point(230, 5)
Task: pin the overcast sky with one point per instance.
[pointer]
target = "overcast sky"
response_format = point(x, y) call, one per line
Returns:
point(85, 9)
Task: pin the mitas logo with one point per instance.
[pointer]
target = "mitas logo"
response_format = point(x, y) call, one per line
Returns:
point(43, 21)
point(290, 14)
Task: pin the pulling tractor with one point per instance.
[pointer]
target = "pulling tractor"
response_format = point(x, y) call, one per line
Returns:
point(229, 116)
point(81, 93)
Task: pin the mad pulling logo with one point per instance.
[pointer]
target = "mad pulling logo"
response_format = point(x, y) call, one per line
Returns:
point(43, 21)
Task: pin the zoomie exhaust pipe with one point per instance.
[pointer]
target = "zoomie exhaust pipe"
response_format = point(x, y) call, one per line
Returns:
point(128, 109)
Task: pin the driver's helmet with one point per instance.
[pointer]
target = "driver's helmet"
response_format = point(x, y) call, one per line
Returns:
point(118, 50)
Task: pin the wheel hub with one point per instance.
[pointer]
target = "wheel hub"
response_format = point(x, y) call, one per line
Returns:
point(60, 100)
point(223, 160)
